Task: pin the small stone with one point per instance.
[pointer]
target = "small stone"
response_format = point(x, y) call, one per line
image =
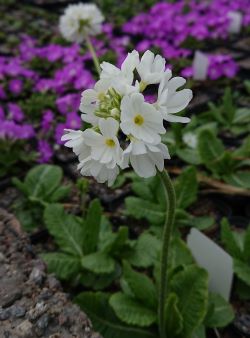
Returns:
point(24, 329)
point(2, 257)
point(45, 294)
point(37, 311)
point(242, 324)
point(43, 322)
point(17, 311)
point(37, 276)
point(10, 298)
point(4, 313)
point(54, 284)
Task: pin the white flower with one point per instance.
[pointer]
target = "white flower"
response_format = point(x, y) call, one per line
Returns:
point(101, 172)
point(141, 119)
point(121, 79)
point(190, 139)
point(75, 140)
point(105, 146)
point(145, 157)
point(171, 101)
point(90, 101)
point(79, 20)
point(151, 68)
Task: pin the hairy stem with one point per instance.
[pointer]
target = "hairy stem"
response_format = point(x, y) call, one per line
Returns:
point(93, 54)
point(166, 236)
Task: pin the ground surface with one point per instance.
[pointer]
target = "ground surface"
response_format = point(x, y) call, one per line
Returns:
point(32, 303)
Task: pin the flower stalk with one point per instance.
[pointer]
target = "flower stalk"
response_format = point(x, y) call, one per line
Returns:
point(93, 54)
point(167, 235)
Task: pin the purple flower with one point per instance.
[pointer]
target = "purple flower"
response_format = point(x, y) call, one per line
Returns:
point(67, 103)
point(45, 151)
point(59, 132)
point(16, 86)
point(47, 120)
point(15, 112)
point(2, 114)
point(73, 121)
point(11, 130)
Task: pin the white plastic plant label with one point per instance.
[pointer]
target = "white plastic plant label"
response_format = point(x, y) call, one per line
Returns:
point(235, 22)
point(215, 260)
point(200, 66)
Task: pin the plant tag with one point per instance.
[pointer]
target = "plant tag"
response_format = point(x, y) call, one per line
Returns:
point(235, 22)
point(200, 66)
point(217, 262)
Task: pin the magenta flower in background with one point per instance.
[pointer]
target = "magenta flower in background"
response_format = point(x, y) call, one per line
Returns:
point(16, 86)
point(47, 120)
point(15, 112)
point(45, 151)
point(2, 114)
point(67, 103)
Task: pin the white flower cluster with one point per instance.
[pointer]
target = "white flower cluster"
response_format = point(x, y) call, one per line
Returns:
point(125, 129)
point(80, 20)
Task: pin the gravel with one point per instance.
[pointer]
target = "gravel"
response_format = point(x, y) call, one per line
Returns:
point(32, 303)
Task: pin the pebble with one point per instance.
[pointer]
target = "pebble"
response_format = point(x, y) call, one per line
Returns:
point(242, 324)
point(4, 313)
point(25, 329)
point(37, 311)
point(17, 311)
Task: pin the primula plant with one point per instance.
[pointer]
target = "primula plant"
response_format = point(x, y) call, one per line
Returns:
point(126, 130)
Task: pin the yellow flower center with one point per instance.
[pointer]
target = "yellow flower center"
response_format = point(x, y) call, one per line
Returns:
point(101, 96)
point(138, 119)
point(110, 143)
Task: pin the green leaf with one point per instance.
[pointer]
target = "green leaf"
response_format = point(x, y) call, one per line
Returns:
point(131, 311)
point(200, 332)
point(186, 188)
point(140, 209)
point(141, 286)
point(173, 319)
point(242, 270)
point(92, 226)
point(228, 239)
point(222, 312)
point(64, 266)
point(246, 250)
point(243, 290)
point(242, 116)
point(210, 149)
point(203, 222)
point(191, 287)
point(180, 254)
point(98, 262)
point(20, 185)
point(239, 179)
point(66, 230)
point(146, 251)
point(190, 156)
point(142, 190)
point(60, 193)
point(104, 320)
point(115, 241)
point(42, 180)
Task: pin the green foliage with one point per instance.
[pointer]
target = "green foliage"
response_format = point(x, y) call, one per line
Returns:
point(131, 311)
point(186, 188)
point(237, 245)
point(88, 250)
point(96, 305)
point(172, 316)
point(13, 154)
point(220, 312)
point(42, 185)
point(35, 104)
point(191, 288)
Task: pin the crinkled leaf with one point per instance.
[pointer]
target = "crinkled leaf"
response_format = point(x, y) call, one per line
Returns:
point(98, 262)
point(173, 319)
point(146, 251)
point(92, 226)
point(42, 180)
point(139, 209)
point(141, 286)
point(239, 179)
point(65, 228)
point(229, 240)
point(97, 307)
point(190, 156)
point(191, 287)
point(64, 266)
point(222, 312)
point(186, 188)
point(131, 311)
point(246, 250)
point(242, 270)
point(60, 193)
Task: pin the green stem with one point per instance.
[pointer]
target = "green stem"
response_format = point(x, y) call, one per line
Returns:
point(93, 54)
point(167, 233)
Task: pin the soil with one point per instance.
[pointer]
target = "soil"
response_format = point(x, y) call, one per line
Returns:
point(32, 303)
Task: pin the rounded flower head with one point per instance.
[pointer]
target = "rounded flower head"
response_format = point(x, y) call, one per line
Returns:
point(116, 108)
point(80, 20)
